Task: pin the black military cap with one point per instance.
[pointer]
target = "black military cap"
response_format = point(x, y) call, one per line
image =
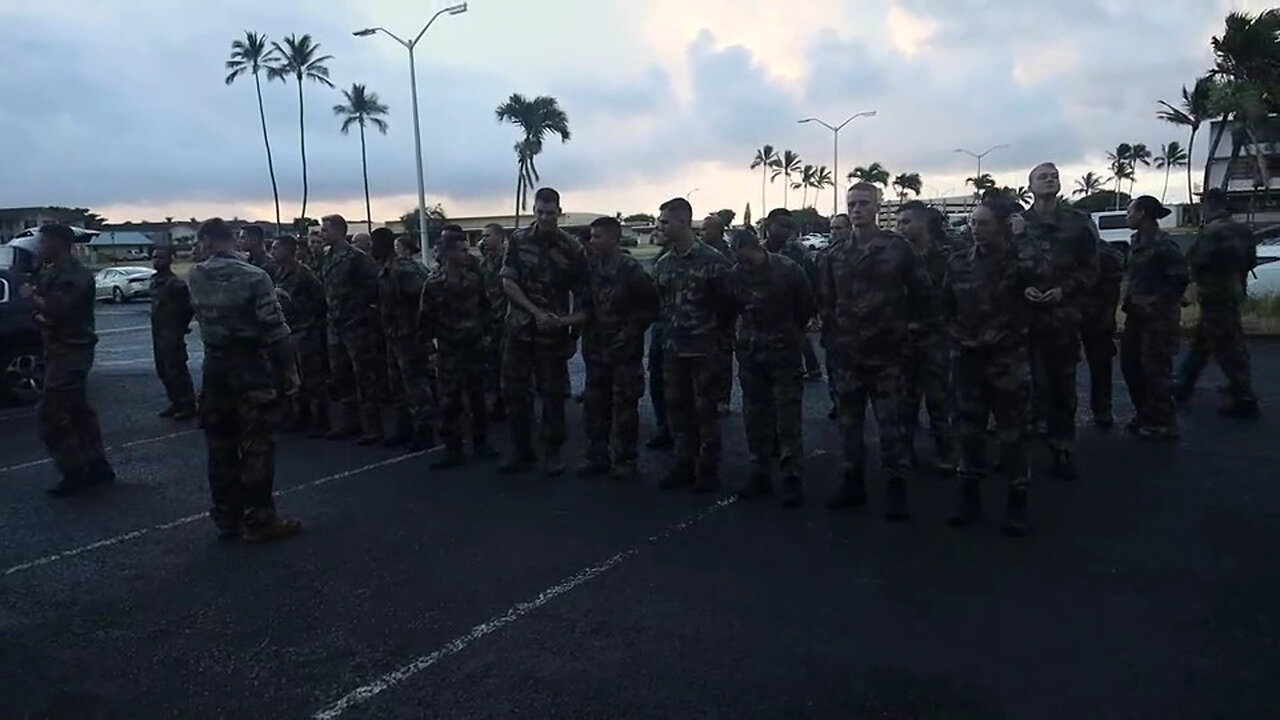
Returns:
point(1151, 207)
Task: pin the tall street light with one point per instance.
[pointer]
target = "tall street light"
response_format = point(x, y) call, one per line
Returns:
point(835, 155)
point(691, 192)
point(978, 157)
point(417, 128)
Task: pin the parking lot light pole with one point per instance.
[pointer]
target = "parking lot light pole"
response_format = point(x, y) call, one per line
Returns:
point(978, 157)
point(417, 128)
point(835, 153)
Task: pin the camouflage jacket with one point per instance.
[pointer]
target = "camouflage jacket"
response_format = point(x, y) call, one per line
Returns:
point(1158, 276)
point(723, 248)
point(794, 251)
point(869, 292)
point(983, 300)
point(1061, 249)
point(492, 269)
point(302, 298)
point(621, 301)
point(235, 304)
point(1102, 297)
point(68, 290)
point(171, 311)
point(265, 264)
point(350, 288)
point(400, 282)
point(548, 267)
point(775, 304)
point(453, 309)
point(1220, 260)
point(691, 289)
point(934, 256)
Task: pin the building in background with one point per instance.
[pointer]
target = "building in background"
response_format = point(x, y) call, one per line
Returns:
point(115, 245)
point(1242, 177)
point(15, 220)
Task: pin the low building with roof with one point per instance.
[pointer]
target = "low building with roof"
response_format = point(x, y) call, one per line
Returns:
point(113, 245)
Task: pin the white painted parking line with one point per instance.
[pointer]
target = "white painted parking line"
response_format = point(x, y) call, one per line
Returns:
point(457, 645)
point(187, 520)
point(133, 443)
point(134, 328)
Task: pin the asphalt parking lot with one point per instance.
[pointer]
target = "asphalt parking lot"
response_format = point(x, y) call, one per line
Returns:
point(1149, 589)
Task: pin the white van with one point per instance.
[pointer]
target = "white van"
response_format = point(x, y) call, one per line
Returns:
point(1113, 227)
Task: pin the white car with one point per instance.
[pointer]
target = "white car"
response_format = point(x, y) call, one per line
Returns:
point(1265, 279)
point(119, 284)
point(815, 241)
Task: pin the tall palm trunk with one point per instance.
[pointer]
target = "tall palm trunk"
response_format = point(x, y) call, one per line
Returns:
point(266, 140)
point(804, 195)
point(1191, 148)
point(764, 171)
point(302, 134)
point(519, 195)
point(786, 183)
point(364, 169)
point(1165, 191)
point(1236, 144)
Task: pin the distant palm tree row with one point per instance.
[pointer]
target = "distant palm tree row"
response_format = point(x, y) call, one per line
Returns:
point(817, 177)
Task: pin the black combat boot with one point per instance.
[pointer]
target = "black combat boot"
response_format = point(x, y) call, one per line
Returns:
point(371, 424)
point(185, 411)
point(593, 467)
point(453, 457)
point(1015, 516)
point(758, 485)
point(169, 411)
point(851, 493)
point(403, 432)
point(792, 492)
point(347, 426)
point(1064, 465)
point(520, 462)
point(72, 481)
point(99, 472)
point(708, 479)
point(1241, 409)
point(319, 419)
point(481, 449)
point(944, 459)
point(969, 509)
point(682, 475)
point(661, 440)
point(896, 497)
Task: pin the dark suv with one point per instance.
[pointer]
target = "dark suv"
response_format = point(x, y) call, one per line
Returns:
point(21, 349)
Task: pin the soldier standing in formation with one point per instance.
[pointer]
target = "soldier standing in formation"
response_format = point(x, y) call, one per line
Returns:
point(713, 235)
point(690, 281)
point(493, 242)
point(400, 281)
point(780, 239)
point(171, 316)
point(355, 362)
point(772, 296)
point(304, 311)
point(62, 301)
point(1062, 247)
point(252, 242)
point(1158, 277)
point(661, 439)
point(870, 290)
point(454, 312)
point(1098, 329)
point(841, 231)
point(541, 267)
point(249, 365)
point(1220, 261)
point(616, 306)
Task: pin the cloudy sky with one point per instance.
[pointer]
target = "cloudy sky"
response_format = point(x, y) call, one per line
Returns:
point(121, 106)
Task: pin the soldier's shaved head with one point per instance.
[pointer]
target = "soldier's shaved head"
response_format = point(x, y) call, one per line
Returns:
point(1044, 181)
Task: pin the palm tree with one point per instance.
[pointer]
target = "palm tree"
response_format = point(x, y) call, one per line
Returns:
point(1139, 153)
point(1118, 164)
point(875, 173)
point(786, 166)
point(1171, 156)
point(1196, 108)
point(300, 59)
point(537, 118)
point(822, 178)
point(251, 56)
point(765, 159)
point(1089, 184)
point(981, 183)
point(1247, 64)
point(907, 182)
point(362, 108)
point(805, 182)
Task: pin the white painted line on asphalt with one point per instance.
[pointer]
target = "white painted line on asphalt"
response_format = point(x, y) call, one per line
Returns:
point(18, 416)
point(135, 534)
point(457, 645)
point(112, 331)
point(132, 443)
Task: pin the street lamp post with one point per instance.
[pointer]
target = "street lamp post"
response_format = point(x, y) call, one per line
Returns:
point(691, 192)
point(417, 128)
point(978, 157)
point(835, 154)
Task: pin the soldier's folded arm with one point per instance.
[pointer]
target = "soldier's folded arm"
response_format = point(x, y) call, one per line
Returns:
point(60, 297)
point(1087, 265)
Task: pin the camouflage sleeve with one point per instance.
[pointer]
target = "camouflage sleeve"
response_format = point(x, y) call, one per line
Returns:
point(61, 296)
point(947, 297)
point(365, 277)
point(267, 309)
point(823, 290)
point(802, 296)
point(182, 304)
point(410, 283)
point(427, 313)
point(919, 289)
point(1086, 257)
point(1176, 269)
point(645, 293)
point(512, 269)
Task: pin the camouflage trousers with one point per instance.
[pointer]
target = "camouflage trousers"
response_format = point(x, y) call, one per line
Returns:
point(411, 381)
point(772, 388)
point(1147, 349)
point(313, 365)
point(884, 388)
point(610, 412)
point(463, 378)
point(829, 362)
point(527, 365)
point(237, 425)
point(1219, 333)
point(357, 370)
point(493, 362)
point(993, 381)
point(927, 371)
point(1054, 356)
point(1098, 337)
point(170, 352)
point(692, 385)
point(726, 372)
point(657, 377)
point(68, 426)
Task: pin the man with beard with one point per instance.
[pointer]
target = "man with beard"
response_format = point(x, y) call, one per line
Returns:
point(780, 239)
point(542, 266)
point(400, 281)
point(1060, 243)
point(492, 244)
point(304, 311)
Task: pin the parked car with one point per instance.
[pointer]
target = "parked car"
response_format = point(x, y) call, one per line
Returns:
point(1265, 278)
point(815, 242)
point(21, 346)
point(119, 284)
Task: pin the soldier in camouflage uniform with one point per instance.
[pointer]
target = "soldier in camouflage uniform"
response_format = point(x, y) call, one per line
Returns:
point(1061, 244)
point(1220, 261)
point(870, 290)
point(985, 301)
point(1098, 330)
point(1158, 277)
point(772, 296)
point(780, 239)
point(841, 231)
point(453, 312)
point(252, 242)
point(713, 236)
point(616, 307)
point(249, 365)
point(304, 311)
point(62, 306)
point(661, 439)
point(171, 315)
point(409, 376)
point(690, 282)
point(928, 363)
point(541, 267)
point(317, 249)
point(492, 244)
point(357, 367)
